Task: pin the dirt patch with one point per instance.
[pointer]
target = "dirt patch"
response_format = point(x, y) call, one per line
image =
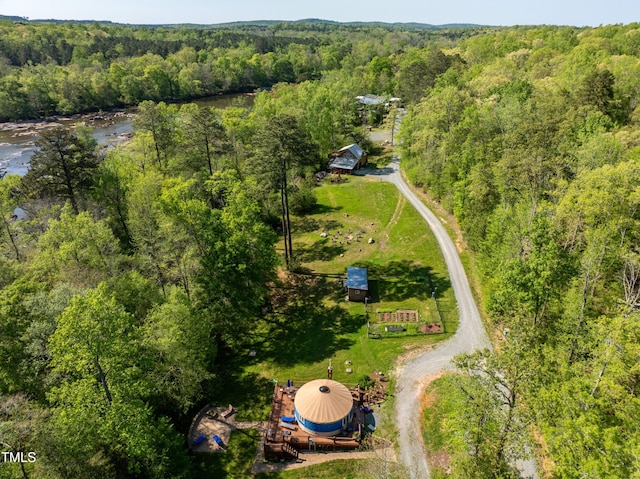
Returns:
point(428, 400)
point(440, 459)
point(400, 315)
point(377, 393)
point(545, 463)
point(407, 315)
point(428, 379)
point(216, 421)
point(290, 287)
point(413, 352)
point(431, 328)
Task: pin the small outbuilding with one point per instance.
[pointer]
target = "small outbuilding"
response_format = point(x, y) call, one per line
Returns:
point(324, 407)
point(347, 159)
point(371, 99)
point(357, 283)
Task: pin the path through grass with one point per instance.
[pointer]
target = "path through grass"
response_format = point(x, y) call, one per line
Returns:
point(311, 321)
point(404, 263)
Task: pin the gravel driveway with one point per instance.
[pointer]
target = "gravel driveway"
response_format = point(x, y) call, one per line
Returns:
point(413, 375)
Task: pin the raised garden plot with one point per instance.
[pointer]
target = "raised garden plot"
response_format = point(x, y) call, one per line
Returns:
point(400, 315)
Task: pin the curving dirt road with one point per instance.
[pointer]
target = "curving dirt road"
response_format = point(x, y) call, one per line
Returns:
point(413, 375)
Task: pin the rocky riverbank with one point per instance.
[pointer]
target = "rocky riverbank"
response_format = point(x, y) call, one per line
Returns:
point(33, 127)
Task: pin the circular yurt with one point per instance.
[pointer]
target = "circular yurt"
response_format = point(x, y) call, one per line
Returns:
point(323, 407)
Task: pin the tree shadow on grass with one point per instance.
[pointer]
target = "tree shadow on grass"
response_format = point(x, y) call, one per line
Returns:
point(248, 392)
point(304, 224)
point(305, 330)
point(322, 209)
point(374, 291)
point(235, 462)
point(322, 250)
point(309, 224)
point(306, 335)
point(403, 280)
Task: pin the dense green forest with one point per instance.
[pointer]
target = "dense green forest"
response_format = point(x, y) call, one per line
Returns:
point(52, 68)
point(533, 142)
point(139, 271)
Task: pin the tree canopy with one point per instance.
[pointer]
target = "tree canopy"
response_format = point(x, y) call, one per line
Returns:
point(137, 274)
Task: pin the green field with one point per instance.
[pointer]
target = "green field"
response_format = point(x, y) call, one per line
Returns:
point(316, 323)
point(342, 468)
point(313, 323)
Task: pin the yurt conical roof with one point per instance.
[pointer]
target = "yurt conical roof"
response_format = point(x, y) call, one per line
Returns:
point(323, 401)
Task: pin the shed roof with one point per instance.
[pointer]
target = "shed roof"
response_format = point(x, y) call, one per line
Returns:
point(344, 163)
point(323, 401)
point(353, 149)
point(357, 278)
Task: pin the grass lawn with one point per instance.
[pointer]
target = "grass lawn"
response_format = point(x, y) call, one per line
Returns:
point(312, 323)
point(343, 469)
point(316, 323)
point(236, 463)
point(434, 431)
point(329, 470)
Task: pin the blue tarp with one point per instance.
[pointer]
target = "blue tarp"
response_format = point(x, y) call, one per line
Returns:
point(217, 439)
point(200, 439)
point(289, 419)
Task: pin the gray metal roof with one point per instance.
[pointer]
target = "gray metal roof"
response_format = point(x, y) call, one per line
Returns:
point(352, 150)
point(349, 157)
point(357, 278)
point(343, 163)
point(370, 99)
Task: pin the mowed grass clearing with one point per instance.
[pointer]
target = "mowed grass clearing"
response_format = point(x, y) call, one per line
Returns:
point(313, 323)
point(316, 323)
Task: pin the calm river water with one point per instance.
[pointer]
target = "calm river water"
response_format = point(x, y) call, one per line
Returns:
point(17, 140)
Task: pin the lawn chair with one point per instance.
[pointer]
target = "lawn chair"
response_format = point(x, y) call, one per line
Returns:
point(199, 440)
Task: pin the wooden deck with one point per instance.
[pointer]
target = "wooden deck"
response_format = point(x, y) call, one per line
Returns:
point(280, 437)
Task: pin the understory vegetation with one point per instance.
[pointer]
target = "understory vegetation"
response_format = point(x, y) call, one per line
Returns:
point(533, 142)
point(141, 277)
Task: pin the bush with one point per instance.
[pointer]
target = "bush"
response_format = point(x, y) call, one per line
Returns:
point(303, 199)
point(366, 382)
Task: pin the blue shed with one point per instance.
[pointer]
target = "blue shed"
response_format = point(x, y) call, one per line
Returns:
point(357, 283)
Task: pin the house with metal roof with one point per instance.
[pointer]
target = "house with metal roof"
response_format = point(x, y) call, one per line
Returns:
point(348, 159)
point(357, 283)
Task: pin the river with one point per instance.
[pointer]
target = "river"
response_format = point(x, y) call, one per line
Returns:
point(17, 140)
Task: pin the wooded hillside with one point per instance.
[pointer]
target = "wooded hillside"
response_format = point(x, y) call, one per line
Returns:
point(138, 272)
point(533, 141)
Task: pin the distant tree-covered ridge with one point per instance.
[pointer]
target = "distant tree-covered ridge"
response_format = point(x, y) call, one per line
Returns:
point(139, 274)
point(62, 68)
